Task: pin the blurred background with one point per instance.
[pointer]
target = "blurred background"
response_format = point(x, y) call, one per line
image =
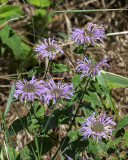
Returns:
point(23, 23)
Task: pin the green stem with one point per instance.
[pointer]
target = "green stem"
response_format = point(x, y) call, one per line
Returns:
point(88, 10)
point(49, 119)
point(82, 98)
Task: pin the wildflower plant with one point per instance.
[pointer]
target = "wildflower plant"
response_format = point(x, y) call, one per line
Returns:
point(75, 105)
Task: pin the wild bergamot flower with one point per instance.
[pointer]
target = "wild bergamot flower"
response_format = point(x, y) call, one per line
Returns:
point(94, 32)
point(78, 36)
point(29, 90)
point(98, 127)
point(88, 68)
point(54, 91)
point(47, 49)
point(89, 34)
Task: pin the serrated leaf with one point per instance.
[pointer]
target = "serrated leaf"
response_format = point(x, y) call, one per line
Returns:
point(76, 80)
point(93, 99)
point(126, 135)
point(60, 68)
point(87, 109)
point(98, 148)
point(122, 123)
point(114, 143)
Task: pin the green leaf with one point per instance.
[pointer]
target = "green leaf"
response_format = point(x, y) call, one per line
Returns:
point(14, 43)
point(112, 84)
point(74, 149)
point(114, 143)
point(76, 96)
point(35, 70)
point(79, 49)
point(18, 125)
point(12, 40)
point(40, 3)
point(105, 89)
point(73, 135)
point(76, 80)
point(126, 136)
point(115, 78)
point(4, 33)
point(79, 119)
point(10, 98)
point(30, 151)
point(92, 97)
point(98, 149)
point(25, 49)
point(10, 11)
point(41, 12)
point(60, 116)
point(87, 109)
point(3, 1)
point(125, 143)
point(122, 123)
point(60, 68)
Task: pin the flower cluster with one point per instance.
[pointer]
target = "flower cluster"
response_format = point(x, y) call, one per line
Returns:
point(97, 127)
point(88, 68)
point(89, 35)
point(47, 49)
point(45, 91)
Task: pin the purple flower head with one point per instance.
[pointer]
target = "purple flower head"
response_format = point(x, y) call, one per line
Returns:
point(97, 127)
point(77, 35)
point(47, 49)
point(89, 35)
point(28, 90)
point(54, 91)
point(94, 32)
point(88, 68)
